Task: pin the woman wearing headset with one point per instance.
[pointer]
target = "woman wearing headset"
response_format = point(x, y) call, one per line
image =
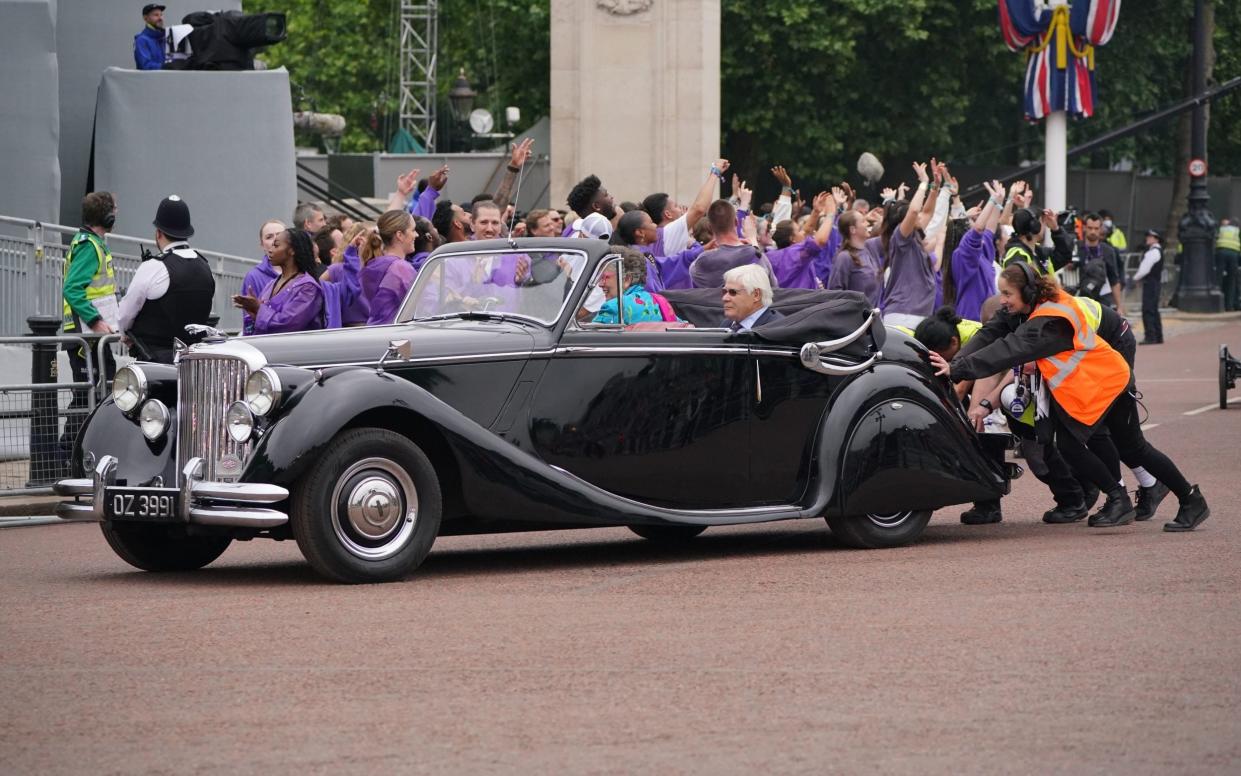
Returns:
point(1082, 386)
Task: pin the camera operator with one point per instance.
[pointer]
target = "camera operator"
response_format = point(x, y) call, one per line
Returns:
point(149, 43)
point(169, 291)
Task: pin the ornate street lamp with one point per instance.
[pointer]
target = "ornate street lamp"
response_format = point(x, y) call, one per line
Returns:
point(461, 97)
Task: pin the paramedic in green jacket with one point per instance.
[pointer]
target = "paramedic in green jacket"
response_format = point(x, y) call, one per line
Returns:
point(89, 296)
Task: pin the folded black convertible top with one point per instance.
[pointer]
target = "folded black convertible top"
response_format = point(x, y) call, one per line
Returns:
point(810, 315)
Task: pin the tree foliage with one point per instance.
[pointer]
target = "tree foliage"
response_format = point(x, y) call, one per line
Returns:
point(344, 57)
point(805, 83)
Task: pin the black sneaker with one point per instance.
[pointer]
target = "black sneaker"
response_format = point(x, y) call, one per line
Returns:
point(1063, 514)
point(1149, 500)
point(1116, 511)
point(983, 513)
point(1192, 512)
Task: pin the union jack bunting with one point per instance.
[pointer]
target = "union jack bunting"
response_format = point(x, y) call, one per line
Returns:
point(1059, 44)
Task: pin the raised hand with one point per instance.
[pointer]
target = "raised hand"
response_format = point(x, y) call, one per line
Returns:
point(902, 190)
point(521, 152)
point(782, 176)
point(1049, 219)
point(439, 178)
point(749, 229)
point(839, 195)
point(849, 192)
point(743, 193)
point(405, 183)
point(721, 165)
point(920, 169)
point(888, 193)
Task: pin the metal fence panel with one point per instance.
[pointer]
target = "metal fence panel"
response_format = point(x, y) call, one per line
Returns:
point(32, 270)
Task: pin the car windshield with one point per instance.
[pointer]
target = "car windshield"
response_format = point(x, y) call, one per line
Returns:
point(532, 285)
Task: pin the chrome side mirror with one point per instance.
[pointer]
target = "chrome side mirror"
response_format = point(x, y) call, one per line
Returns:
point(396, 349)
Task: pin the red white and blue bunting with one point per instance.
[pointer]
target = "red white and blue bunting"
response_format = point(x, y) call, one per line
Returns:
point(1059, 44)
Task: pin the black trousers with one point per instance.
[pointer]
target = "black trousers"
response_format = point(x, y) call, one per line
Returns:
point(77, 365)
point(1151, 322)
point(1227, 263)
point(1100, 464)
point(1048, 465)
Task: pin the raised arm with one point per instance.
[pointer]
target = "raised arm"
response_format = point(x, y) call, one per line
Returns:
point(405, 184)
point(783, 208)
point(706, 193)
point(517, 160)
point(910, 222)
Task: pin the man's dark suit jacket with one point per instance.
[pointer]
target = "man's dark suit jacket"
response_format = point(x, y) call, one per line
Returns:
point(768, 316)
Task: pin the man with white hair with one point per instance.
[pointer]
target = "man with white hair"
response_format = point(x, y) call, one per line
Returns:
point(747, 298)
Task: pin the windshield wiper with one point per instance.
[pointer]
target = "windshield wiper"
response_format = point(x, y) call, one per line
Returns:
point(466, 315)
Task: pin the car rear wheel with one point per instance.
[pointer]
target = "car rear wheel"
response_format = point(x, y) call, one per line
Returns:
point(369, 509)
point(668, 534)
point(876, 531)
point(157, 548)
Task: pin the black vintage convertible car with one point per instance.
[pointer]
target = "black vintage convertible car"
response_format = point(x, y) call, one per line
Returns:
point(497, 404)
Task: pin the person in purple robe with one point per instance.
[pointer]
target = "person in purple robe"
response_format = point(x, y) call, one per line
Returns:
point(636, 230)
point(386, 276)
point(293, 300)
point(258, 278)
point(854, 268)
point(426, 241)
point(969, 277)
point(708, 269)
point(345, 273)
point(909, 286)
point(796, 257)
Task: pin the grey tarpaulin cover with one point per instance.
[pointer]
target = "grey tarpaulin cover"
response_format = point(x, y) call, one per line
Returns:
point(222, 141)
point(29, 120)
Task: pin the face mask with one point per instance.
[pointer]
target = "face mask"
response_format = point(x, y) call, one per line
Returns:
point(1107, 223)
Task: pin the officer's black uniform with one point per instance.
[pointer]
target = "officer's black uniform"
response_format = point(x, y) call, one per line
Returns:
point(1152, 284)
point(191, 288)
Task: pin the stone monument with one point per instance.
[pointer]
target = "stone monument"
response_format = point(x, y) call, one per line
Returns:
point(635, 95)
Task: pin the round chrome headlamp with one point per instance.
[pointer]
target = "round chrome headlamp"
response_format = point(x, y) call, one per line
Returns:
point(239, 421)
point(129, 388)
point(153, 419)
point(263, 391)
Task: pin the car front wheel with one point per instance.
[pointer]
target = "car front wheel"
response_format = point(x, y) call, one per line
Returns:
point(369, 509)
point(157, 548)
point(876, 531)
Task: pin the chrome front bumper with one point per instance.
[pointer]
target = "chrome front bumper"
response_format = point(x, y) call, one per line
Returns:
point(202, 502)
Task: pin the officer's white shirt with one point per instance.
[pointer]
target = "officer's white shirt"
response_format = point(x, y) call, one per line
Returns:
point(150, 282)
point(1149, 260)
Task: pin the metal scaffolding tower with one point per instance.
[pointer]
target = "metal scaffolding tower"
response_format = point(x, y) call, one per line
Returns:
point(419, 46)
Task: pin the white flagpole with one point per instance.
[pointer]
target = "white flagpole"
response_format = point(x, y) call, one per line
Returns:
point(1056, 151)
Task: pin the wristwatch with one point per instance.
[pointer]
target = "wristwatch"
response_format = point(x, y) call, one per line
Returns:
point(986, 404)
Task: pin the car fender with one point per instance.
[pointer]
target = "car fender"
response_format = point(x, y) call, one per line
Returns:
point(892, 441)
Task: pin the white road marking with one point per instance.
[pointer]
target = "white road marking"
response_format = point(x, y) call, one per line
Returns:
point(1212, 406)
point(1149, 426)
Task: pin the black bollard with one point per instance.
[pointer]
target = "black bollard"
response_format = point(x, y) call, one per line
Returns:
point(47, 463)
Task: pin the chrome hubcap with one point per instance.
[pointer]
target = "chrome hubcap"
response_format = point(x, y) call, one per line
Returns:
point(374, 508)
point(892, 520)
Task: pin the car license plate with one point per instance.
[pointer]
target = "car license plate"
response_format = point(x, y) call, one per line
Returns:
point(148, 504)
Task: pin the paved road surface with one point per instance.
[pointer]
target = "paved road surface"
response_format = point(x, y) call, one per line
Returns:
point(1018, 648)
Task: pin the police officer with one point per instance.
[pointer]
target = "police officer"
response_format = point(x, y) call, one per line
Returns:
point(1026, 244)
point(89, 296)
point(170, 291)
point(1150, 273)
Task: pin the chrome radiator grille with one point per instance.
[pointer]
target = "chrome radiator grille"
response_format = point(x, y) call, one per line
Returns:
point(206, 386)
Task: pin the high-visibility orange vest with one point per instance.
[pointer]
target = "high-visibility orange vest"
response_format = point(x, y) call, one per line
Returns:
point(1087, 379)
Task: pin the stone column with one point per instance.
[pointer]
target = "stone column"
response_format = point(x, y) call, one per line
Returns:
point(635, 95)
